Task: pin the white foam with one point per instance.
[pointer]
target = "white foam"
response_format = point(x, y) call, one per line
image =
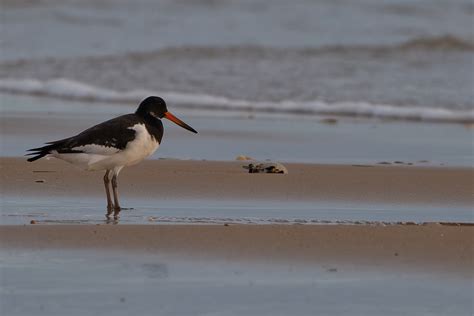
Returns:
point(70, 89)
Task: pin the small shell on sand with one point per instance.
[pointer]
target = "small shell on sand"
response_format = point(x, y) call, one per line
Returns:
point(266, 167)
point(243, 157)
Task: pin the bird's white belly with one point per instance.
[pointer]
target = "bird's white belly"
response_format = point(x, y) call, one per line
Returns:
point(106, 158)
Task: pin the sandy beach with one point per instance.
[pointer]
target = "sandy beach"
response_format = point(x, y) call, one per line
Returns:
point(207, 237)
point(224, 180)
point(442, 246)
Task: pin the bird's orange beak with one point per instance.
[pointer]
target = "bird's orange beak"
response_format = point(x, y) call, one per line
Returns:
point(176, 120)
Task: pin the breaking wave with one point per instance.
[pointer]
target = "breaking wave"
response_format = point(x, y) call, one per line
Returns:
point(74, 90)
point(446, 42)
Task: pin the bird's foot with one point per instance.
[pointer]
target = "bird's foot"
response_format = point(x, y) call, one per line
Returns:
point(117, 210)
point(110, 210)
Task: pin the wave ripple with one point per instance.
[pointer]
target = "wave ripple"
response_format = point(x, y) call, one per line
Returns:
point(74, 90)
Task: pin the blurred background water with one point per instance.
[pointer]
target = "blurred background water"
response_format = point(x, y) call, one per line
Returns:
point(403, 59)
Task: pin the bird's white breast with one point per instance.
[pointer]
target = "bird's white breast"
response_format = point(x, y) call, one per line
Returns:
point(141, 147)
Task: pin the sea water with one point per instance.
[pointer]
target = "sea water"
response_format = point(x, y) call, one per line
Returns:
point(397, 59)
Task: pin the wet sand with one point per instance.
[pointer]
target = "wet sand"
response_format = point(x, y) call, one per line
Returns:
point(70, 282)
point(176, 179)
point(420, 248)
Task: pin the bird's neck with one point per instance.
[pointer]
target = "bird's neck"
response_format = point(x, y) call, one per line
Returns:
point(154, 126)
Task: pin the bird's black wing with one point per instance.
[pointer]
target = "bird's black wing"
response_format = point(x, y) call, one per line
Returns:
point(104, 139)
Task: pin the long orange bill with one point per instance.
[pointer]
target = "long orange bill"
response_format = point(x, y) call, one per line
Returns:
point(176, 120)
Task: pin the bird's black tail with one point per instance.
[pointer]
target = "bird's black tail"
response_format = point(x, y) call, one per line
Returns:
point(40, 152)
point(41, 155)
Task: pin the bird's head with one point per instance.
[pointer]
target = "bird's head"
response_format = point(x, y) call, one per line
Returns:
point(156, 107)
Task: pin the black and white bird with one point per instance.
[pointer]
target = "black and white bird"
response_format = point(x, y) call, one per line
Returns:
point(123, 141)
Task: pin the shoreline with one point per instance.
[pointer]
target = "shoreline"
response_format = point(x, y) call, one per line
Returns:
point(29, 122)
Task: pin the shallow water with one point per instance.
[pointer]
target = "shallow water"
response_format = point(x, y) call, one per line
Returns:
point(59, 282)
point(15, 211)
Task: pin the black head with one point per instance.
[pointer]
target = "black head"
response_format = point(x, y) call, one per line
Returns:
point(156, 107)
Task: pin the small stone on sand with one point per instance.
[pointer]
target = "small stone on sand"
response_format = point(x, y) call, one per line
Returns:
point(329, 121)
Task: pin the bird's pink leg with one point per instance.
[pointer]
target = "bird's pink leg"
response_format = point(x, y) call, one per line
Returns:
point(110, 205)
point(117, 207)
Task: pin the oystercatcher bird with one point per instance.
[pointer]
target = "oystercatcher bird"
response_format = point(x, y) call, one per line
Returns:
point(123, 141)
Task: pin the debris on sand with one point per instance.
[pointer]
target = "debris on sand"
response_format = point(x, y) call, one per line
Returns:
point(266, 167)
point(396, 162)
